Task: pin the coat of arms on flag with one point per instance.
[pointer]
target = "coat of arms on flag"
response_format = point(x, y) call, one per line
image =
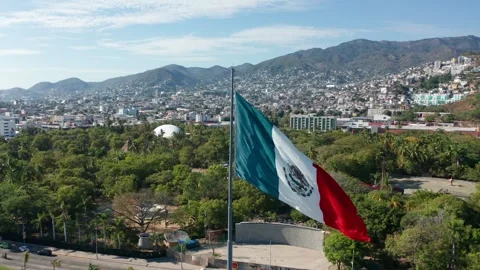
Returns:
point(297, 182)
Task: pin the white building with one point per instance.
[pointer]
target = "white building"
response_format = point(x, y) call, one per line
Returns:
point(7, 127)
point(103, 108)
point(313, 123)
point(371, 112)
point(381, 118)
point(167, 131)
point(128, 111)
point(457, 69)
point(436, 99)
point(199, 118)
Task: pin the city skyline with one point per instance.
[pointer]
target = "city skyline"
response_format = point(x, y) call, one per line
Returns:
point(94, 40)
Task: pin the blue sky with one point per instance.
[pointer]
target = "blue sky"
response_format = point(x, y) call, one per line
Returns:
point(50, 40)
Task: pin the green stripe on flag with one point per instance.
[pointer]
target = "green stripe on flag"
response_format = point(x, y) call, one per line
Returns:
point(254, 148)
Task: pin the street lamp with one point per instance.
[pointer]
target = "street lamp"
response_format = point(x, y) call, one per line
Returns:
point(96, 240)
point(205, 225)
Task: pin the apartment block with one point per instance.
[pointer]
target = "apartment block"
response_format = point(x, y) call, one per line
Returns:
point(7, 127)
point(312, 123)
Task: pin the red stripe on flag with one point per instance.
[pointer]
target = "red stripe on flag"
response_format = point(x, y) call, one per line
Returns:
point(338, 210)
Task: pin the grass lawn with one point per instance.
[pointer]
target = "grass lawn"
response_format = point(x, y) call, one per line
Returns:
point(4, 268)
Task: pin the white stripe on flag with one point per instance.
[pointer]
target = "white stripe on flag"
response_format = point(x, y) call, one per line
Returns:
point(286, 154)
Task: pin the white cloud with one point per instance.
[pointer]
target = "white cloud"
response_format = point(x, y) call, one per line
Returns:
point(287, 35)
point(83, 48)
point(65, 69)
point(17, 52)
point(250, 41)
point(88, 14)
point(2, 35)
point(107, 57)
point(48, 38)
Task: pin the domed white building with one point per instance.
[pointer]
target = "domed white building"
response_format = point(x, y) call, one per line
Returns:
point(167, 131)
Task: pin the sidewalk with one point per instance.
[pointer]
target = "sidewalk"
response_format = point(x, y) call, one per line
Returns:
point(162, 263)
point(110, 260)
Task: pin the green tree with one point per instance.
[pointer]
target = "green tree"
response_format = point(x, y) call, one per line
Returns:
point(39, 222)
point(119, 228)
point(186, 156)
point(64, 216)
point(430, 118)
point(340, 250)
point(297, 216)
point(104, 221)
point(42, 142)
point(157, 239)
point(93, 267)
point(426, 245)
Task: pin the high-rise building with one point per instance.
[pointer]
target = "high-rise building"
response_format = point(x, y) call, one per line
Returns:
point(311, 122)
point(132, 111)
point(7, 127)
point(438, 65)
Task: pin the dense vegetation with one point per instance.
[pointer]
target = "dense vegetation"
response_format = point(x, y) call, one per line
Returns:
point(54, 185)
point(434, 81)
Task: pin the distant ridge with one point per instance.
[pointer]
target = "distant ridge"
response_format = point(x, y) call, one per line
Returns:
point(376, 57)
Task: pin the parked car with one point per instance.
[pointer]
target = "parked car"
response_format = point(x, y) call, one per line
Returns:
point(5, 245)
point(24, 248)
point(45, 252)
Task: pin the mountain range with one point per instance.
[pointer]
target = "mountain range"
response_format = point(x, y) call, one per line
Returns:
point(377, 56)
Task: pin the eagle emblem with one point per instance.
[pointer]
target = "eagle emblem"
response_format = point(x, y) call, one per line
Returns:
point(296, 180)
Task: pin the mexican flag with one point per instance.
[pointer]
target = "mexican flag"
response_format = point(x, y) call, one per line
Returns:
point(266, 158)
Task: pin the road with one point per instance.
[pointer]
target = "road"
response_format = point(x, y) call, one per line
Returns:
point(80, 260)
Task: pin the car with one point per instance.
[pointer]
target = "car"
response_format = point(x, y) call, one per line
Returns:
point(5, 245)
point(45, 252)
point(24, 248)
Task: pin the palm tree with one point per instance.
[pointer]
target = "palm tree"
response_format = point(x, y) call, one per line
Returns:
point(395, 201)
point(157, 238)
point(93, 267)
point(64, 216)
point(77, 221)
point(409, 205)
point(409, 151)
point(104, 219)
point(312, 153)
point(386, 154)
point(454, 151)
point(119, 229)
point(26, 256)
point(52, 216)
point(455, 226)
point(40, 218)
point(56, 263)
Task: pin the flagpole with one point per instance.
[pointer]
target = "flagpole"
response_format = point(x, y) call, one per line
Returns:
point(230, 176)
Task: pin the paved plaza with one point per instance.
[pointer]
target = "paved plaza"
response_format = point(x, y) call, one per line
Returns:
point(281, 255)
point(462, 189)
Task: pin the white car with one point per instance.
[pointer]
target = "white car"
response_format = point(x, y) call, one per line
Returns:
point(24, 248)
